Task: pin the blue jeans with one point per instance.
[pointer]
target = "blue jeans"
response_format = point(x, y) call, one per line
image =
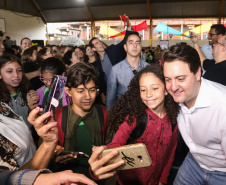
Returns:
point(190, 173)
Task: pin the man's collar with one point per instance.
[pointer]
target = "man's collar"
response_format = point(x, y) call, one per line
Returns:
point(203, 99)
point(129, 66)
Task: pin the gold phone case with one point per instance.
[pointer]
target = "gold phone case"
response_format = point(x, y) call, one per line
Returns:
point(134, 155)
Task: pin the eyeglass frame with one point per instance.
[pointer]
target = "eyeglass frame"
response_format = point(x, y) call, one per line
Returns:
point(45, 79)
point(212, 34)
point(216, 42)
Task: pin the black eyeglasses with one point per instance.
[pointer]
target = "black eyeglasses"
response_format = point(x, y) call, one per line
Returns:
point(212, 34)
point(216, 42)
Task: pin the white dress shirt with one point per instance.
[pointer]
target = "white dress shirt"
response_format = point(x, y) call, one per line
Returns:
point(203, 126)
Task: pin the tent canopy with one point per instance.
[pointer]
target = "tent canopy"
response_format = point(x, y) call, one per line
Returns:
point(99, 10)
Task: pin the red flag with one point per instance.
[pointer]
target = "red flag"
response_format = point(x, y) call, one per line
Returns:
point(139, 27)
point(225, 25)
point(125, 19)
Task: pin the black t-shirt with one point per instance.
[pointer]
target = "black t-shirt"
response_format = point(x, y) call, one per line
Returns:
point(215, 72)
point(35, 82)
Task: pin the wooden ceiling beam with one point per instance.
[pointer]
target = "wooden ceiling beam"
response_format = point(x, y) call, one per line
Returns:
point(88, 11)
point(5, 2)
point(131, 4)
point(37, 11)
point(150, 17)
point(220, 13)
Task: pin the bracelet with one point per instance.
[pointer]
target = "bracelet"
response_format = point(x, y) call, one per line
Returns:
point(21, 175)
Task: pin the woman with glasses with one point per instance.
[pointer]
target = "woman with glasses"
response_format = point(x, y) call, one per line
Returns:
point(50, 67)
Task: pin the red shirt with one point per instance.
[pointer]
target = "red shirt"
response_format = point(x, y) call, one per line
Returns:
point(161, 144)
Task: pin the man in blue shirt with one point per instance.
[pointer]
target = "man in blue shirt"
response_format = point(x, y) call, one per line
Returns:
point(121, 73)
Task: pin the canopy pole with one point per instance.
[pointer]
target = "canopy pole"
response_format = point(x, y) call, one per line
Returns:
point(150, 17)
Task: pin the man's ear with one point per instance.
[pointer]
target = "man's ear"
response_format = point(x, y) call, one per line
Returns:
point(68, 91)
point(198, 74)
point(125, 47)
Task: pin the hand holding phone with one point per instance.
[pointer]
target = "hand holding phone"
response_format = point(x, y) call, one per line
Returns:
point(134, 156)
point(55, 91)
point(79, 154)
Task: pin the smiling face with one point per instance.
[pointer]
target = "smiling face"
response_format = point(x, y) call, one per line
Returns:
point(133, 46)
point(74, 59)
point(83, 97)
point(26, 43)
point(181, 83)
point(89, 51)
point(152, 92)
point(79, 53)
point(212, 36)
point(11, 73)
point(98, 45)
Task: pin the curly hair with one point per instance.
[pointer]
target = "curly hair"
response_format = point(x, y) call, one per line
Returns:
point(132, 105)
point(24, 85)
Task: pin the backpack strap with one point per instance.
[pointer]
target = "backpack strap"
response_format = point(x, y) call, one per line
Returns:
point(139, 130)
point(103, 116)
point(61, 119)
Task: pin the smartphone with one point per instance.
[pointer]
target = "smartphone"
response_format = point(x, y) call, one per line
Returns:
point(134, 155)
point(79, 154)
point(55, 90)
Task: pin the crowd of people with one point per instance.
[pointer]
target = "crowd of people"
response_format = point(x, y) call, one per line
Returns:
point(179, 94)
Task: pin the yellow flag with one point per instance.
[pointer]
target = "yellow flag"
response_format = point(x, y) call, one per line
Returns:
point(199, 29)
point(105, 30)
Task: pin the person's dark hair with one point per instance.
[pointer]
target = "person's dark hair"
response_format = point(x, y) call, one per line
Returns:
point(24, 39)
point(24, 85)
point(40, 53)
point(132, 33)
point(26, 54)
point(54, 65)
point(183, 53)
point(7, 37)
point(219, 29)
point(90, 42)
point(67, 57)
point(1, 33)
point(81, 73)
point(132, 105)
point(14, 47)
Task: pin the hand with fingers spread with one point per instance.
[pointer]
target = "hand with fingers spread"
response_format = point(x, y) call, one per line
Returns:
point(97, 166)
